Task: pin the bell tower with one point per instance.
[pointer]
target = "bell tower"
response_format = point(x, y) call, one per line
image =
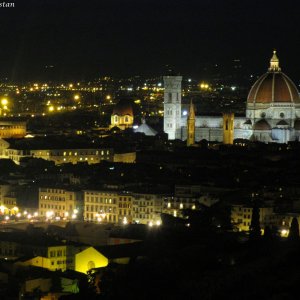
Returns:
point(172, 106)
point(228, 128)
point(190, 140)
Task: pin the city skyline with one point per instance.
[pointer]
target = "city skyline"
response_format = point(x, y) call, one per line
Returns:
point(60, 40)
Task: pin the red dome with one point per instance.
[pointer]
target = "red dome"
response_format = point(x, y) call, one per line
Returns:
point(123, 108)
point(274, 86)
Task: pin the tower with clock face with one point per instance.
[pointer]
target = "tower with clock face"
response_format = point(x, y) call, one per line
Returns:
point(172, 106)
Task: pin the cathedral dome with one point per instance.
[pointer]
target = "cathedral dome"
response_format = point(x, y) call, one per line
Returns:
point(274, 86)
point(123, 108)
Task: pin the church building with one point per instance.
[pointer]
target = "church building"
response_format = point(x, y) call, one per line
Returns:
point(272, 113)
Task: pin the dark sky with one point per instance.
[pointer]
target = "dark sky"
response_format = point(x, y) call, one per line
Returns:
point(87, 38)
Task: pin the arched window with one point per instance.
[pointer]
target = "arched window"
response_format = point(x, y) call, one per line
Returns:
point(116, 119)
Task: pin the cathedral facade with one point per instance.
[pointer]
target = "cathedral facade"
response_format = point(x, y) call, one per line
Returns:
point(272, 112)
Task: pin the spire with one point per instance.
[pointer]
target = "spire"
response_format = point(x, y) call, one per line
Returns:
point(191, 120)
point(274, 63)
point(191, 111)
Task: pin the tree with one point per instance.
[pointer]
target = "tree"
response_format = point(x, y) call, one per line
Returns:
point(255, 231)
point(294, 230)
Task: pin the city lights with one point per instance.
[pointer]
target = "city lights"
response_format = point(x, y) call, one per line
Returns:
point(204, 86)
point(4, 101)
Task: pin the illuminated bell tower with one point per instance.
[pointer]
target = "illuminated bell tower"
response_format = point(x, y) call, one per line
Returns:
point(172, 106)
point(228, 128)
point(190, 140)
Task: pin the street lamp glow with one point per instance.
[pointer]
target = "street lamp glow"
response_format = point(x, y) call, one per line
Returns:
point(76, 97)
point(284, 232)
point(49, 214)
point(4, 101)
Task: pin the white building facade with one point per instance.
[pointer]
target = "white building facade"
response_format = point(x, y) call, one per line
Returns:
point(272, 112)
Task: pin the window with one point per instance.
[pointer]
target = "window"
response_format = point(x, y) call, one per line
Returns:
point(170, 97)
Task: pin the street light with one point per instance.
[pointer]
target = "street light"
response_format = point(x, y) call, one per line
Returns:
point(4, 101)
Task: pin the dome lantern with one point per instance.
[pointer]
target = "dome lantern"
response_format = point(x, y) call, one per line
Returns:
point(274, 63)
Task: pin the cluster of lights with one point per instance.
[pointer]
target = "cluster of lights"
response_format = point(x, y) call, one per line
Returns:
point(157, 223)
point(50, 215)
point(100, 216)
point(14, 212)
point(204, 86)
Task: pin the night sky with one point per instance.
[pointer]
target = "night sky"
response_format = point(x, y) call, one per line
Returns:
point(83, 39)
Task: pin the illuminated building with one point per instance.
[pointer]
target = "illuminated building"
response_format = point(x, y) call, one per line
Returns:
point(53, 258)
point(191, 126)
point(241, 216)
point(122, 208)
point(125, 202)
point(147, 208)
point(228, 128)
point(16, 152)
point(122, 115)
point(172, 106)
point(88, 259)
point(145, 129)
point(127, 157)
point(8, 201)
point(101, 206)
point(12, 129)
point(60, 204)
point(272, 112)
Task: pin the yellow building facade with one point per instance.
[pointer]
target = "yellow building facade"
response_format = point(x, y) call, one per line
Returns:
point(60, 203)
point(101, 206)
point(122, 115)
point(59, 156)
point(12, 129)
point(89, 259)
point(55, 258)
point(228, 128)
point(147, 209)
point(191, 121)
point(241, 216)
